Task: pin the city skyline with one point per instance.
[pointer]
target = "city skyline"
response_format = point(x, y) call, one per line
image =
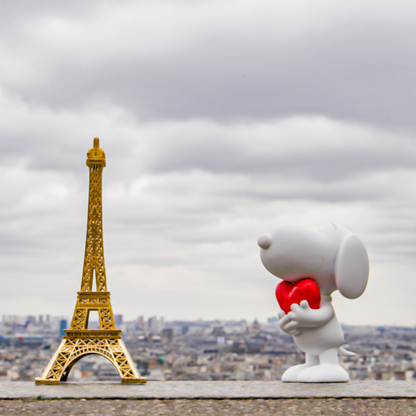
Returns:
point(219, 121)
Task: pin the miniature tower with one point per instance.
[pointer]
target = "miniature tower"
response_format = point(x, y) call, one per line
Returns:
point(79, 340)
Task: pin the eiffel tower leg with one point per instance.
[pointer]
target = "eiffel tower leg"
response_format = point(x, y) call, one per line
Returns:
point(124, 363)
point(55, 371)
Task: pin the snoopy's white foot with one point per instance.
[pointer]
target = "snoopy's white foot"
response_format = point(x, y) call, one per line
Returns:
point(291, 374)
point(324, 373)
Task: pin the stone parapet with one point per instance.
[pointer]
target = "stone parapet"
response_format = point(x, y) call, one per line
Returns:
point(210, 390)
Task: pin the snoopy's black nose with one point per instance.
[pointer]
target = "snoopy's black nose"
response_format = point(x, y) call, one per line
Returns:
point(265, 241)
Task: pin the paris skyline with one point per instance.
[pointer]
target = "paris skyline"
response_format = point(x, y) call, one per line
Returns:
point(219, 120)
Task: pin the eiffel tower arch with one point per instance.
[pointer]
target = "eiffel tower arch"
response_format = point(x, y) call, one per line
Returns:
point(80, 341)
point(72, 350)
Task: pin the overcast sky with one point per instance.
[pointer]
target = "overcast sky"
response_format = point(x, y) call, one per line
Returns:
point(219, 119)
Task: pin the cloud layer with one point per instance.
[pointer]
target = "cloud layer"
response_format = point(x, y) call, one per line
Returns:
point(219, 120)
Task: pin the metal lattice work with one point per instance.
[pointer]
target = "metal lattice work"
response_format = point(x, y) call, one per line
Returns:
point(72, 350)
point(79, 340)
point(93, 301)
point(79, 319)
point(106, 319)
point(94, 246)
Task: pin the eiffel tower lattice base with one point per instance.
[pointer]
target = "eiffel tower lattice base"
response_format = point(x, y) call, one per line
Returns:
point(77, 344)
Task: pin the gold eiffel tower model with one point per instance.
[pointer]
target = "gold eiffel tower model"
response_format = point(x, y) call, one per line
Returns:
point(79, 340)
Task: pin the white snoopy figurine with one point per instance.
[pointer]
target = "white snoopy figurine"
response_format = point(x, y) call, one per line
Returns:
point(330, 258)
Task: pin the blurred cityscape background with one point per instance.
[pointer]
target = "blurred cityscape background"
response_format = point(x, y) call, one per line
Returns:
point(202, 350)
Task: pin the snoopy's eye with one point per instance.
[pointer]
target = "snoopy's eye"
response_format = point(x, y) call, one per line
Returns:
point(265, 241)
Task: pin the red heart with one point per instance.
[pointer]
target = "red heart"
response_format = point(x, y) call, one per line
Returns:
point(288, 293)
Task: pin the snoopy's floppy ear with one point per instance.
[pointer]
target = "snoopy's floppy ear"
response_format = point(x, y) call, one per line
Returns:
point(351, 267)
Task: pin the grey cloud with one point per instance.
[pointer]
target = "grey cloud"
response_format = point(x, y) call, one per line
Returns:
point(191, 103)
point(316, 149)
point(325, 167)
point(357, 67)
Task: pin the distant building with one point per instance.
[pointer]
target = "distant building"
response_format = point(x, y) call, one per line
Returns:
point(141, 322)
point(155, 325)
point(63, 324)
point(256, 326)
point(167, 335)
point(30, 320)
point(118, 319)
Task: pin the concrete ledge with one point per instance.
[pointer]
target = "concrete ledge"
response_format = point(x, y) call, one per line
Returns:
point(210, 390)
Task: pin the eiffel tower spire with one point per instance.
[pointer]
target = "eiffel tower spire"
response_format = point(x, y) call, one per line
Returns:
point(94, 249)
point(79, 340)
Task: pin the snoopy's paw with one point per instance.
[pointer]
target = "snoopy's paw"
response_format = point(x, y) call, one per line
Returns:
point(324, 373)
point(292, 373)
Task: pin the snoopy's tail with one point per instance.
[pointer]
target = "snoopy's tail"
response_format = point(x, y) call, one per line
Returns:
point(345, 353)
